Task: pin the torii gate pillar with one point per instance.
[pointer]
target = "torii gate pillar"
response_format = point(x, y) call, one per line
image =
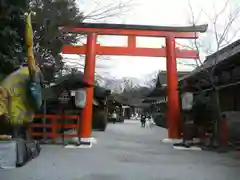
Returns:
point(173, 107)
point(89, 72)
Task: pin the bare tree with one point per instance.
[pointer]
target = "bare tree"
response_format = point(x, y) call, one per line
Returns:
point(106, 11)
point(78, 65)
point(151, 81)
point(220, 34)
point(101, 12)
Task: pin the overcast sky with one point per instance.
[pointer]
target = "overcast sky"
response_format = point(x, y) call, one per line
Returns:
point(148, 12)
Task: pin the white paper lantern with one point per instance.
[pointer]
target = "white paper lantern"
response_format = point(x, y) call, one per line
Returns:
point(80, 98)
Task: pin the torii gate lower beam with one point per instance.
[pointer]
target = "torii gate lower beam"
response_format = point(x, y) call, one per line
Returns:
point(91, 49)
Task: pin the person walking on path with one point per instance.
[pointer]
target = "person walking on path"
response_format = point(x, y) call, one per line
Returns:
point(143, 120)
point(114, 117)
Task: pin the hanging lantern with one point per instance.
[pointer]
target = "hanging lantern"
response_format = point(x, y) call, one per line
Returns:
point(80, 98)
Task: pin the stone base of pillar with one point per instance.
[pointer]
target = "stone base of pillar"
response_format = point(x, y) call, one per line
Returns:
point(171, 141)
point(90, 139)
point(83, 144)
point(191, 148)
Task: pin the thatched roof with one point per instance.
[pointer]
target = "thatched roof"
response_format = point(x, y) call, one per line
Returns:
point(72, 82)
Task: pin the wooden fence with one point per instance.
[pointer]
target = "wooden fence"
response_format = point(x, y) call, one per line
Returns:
point(54, 126)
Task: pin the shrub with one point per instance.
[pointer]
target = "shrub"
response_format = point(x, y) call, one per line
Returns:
point(99, 119)
point(160, 120)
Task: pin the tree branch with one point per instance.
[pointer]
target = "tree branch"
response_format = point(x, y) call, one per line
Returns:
point(108, 11)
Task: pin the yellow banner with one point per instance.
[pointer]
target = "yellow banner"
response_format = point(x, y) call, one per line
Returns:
point(17, 86)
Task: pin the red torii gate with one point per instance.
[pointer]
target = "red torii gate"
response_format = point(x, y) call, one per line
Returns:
point(91, 49)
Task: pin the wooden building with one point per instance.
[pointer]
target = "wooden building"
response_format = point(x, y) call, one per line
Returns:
point(120, 104)
point(158, 96)
point(224, 69)
point(224, 66)
point(71, 82)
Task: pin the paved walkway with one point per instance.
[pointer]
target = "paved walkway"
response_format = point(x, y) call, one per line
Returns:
point(127, 152)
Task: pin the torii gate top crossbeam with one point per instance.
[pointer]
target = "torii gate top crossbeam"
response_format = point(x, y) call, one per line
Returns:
point(137, 30)
point(132, 31)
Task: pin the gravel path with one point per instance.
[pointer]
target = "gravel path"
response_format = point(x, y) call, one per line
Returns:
point(127, 152)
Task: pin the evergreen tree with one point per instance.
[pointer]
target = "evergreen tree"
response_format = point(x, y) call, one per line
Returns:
point(12, 48)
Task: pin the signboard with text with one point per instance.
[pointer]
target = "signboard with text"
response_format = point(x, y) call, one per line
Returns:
point(65, 97)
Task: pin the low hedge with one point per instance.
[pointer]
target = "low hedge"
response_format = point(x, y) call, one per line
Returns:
point(160, 120)
point(100, 119)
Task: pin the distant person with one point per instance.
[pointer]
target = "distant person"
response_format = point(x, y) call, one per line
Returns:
point(143, 120)
point(114, 117)
point(136, 115)
point(152, 120)
point(148, 122)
